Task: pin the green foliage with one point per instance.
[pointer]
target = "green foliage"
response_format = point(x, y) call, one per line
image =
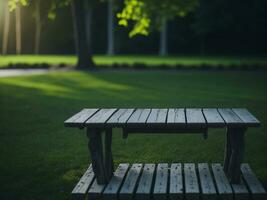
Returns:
point(13, 3)
point(55, 5)
point(143, 13)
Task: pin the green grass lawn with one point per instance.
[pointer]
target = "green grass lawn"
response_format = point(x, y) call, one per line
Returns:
point(135, 59)
point(40, 159)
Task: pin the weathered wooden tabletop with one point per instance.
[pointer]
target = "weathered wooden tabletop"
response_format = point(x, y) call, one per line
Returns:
point(179, 117)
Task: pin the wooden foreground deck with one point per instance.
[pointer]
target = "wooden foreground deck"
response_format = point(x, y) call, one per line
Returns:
point(170, 181)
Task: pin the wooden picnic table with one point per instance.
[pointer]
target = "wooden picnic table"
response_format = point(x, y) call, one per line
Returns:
point(172, 120)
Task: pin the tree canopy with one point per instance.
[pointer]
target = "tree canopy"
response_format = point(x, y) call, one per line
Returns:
point(144, 14)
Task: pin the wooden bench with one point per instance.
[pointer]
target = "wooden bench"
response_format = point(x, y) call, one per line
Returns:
point(180, 120)
point(170, 181)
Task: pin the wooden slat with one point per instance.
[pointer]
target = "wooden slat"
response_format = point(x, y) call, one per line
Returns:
point(101, 116)
point(80, 118)
point(213, 118)
point(129, 184)
point(161, 182)
point(195, 118)
point(230, 118)
point(255, 187)
point(246, 116)
point(157, 116)
point(120, 116)
point(222, 183)
point(240, 191)
point(139, 116)
point(176, 182)
point(191, 183)
point(112, 189)
point(176, 117)
point(96, 190)
point(206, 182)
point(143, 191)
point(83, 185)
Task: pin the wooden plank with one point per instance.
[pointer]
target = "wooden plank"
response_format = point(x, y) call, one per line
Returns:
point(143, 191)
point(222, 183)
point(195, 118)
point(157, 116)
point(109, 165)
point(96, 190)
point(120, 117)
point(96, 150)
point(191, 183)
point(129, 184)
point(161, 182)
point(230, 118)
point(254, 186)
point(176, 117)
point(100, 117)
point(83, 185)
point(240, 191)
point(176, 182)
point(112, 189)
point(206, 182)
point(139, 116)
point(246, 116)
point(80, 118)
point(213, 118)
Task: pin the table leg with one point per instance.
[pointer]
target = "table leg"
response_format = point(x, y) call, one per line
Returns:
point(96, 150)
point(237, 146)
point(228, 150)
point(109, 166)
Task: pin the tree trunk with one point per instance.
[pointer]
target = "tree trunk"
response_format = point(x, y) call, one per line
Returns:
point(6, 28)
point(18, 30)
point(110, 50)
point(88, 22)
point(82, 50)
point(38, 27)
point(163, 49)
point(75, 35)
point(203, 46)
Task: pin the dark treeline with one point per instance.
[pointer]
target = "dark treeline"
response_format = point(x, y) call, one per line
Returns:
point(216, 27)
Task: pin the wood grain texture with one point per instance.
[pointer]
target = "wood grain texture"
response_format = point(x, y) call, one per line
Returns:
point(176, 117)
point(195, 117)
point(129, 185)
point(246, 117)
point(230, 118)
point(191, 182)
point(222, 183)
point(120, 116)
point(109, 165)
point(173, 117)
point(237, 141)
point(96, 150)
point(161, 182)
point(240, 191)
point(157, 116)
point(80, 190)
point(112, 189)
point(176, 188)
point(96, 190)
point(80, 118)
point(255, 187)
point(101, 117)
point(139, 116)
point(213, 117)
point(143, 191)
point(206, 182)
